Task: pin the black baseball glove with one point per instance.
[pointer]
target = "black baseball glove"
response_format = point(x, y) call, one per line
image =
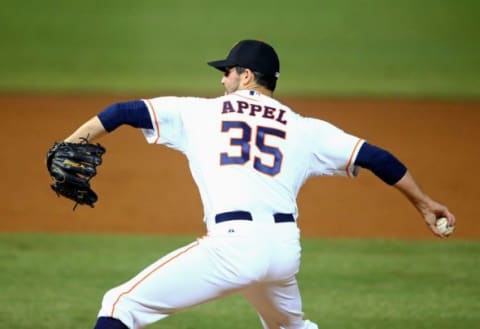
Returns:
point(72, 166)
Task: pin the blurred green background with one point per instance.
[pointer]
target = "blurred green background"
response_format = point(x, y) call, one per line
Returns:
point(409, 48)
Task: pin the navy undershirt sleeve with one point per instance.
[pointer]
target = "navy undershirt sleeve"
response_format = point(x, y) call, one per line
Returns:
point(382, 163)
point(134, 113)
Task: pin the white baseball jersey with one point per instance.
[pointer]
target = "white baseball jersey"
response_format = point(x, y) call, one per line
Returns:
point(247, 151)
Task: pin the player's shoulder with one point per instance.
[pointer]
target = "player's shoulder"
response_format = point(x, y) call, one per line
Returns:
point(177, 99)
point(179, 104)
point(318, 127)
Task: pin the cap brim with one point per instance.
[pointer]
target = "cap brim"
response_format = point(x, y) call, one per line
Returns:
point(221, 65)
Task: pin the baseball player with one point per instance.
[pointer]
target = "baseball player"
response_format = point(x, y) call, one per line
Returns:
point(249, 155)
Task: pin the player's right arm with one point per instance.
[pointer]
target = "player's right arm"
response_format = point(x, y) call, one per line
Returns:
point(391, 171)
point(428, 208)
point(133, 113)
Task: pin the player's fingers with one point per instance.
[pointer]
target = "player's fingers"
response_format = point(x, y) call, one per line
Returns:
point(442, 211)
point(436, 231)
point(450, 218)
point(448, 215)
point(431, 220)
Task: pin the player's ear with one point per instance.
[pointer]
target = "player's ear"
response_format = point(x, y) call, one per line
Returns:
point(248, 76)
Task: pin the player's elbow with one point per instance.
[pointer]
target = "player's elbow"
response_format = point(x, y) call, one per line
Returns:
point(133, 113)
point(380, 162)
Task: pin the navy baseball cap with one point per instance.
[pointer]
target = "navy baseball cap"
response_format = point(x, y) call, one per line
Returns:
point(252, 54)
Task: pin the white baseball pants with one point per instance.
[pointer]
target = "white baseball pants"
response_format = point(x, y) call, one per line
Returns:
point(259, 261)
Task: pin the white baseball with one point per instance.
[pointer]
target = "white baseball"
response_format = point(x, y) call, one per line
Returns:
point(443, 227)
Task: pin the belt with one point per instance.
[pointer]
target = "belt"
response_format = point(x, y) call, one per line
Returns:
point(245, 215)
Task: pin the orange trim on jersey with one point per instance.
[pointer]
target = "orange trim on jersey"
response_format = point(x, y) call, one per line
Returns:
point(157, 127)
point(351, 157)
point(193, 245)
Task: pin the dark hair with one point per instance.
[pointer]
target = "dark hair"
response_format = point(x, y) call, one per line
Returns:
point(268, 82)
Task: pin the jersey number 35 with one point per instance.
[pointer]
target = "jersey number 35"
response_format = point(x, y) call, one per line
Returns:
point(244, 143)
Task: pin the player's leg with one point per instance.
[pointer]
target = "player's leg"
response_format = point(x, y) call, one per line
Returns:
point(183, 278)
point(278, 304)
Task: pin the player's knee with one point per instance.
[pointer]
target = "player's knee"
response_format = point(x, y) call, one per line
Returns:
point(115, 308)
point(109, 299)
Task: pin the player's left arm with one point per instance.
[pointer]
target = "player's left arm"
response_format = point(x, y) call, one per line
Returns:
point(134, 113)
point(393, 172)
point(91, 130)
point(72, 163)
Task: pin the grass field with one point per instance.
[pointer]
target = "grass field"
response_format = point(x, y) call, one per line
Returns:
point(57, 281)
point(426, 48)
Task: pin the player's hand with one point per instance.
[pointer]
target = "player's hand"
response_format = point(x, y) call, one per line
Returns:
point(431, 211)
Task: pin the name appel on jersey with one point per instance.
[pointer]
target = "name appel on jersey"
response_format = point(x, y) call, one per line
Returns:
point(264, 111)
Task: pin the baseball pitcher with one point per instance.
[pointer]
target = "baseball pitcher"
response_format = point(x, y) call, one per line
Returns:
point(249, 155)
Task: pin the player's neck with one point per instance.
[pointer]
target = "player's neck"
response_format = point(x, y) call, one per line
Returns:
point(259, 89)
